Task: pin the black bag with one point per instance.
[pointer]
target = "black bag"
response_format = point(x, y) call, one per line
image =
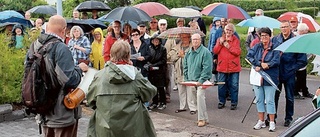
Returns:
point(40, 87)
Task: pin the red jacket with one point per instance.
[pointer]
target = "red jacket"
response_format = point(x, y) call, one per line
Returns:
point(108, 42)
point(228, 59)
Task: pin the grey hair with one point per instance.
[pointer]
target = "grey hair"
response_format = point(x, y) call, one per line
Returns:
point(302, 27)
point(76, 28)
point(230, 25)
point(261, 11)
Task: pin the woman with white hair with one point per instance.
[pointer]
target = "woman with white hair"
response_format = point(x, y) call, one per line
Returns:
point(79, 45)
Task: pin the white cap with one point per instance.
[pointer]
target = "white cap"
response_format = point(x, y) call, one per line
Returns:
point(162, 21)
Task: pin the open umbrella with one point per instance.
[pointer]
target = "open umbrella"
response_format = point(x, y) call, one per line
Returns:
point(302, 18)
point(11, 16)
point(307, 43)
point(225, 10)
point(174, 32)
point(184, 13)
point(153, 8)
point(85, 27)
point(260, 21)
point(43, 9)
point(316, 64)
point(92, 5)
point(9, 13)
point(127, 13)
point(194, 7)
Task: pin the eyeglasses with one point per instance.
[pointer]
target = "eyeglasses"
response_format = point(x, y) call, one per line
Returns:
point(264, 36)
point(153, 22)
point(135, 34)
point(283, 27)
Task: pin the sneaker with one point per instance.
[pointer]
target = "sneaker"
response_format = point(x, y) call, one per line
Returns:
point(201, 123)
point(259, 125)
point(149, 109)
point(287, 122)
point(272, 126)
point(220, 106)
point(162, 106)
point(153, 106)
point(298, 97)
point(175, 88)
point(233, 107)
point(309, 95)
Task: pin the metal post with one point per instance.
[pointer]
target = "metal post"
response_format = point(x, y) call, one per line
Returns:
point(59, 7)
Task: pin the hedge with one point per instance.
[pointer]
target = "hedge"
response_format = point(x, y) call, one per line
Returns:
point(276, 13)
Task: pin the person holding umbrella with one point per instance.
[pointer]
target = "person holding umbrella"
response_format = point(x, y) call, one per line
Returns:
point(264, 58)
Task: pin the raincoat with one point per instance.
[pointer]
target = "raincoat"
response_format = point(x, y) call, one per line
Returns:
point(96, 56)
point(117, 94)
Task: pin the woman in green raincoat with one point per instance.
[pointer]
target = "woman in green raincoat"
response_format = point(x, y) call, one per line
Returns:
point(117, 94)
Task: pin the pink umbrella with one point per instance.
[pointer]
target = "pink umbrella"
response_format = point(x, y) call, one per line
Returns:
point(302, 18)
point(224, 10)
point(153, 8)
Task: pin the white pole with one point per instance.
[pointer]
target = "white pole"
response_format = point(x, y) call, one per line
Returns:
point(59, 7)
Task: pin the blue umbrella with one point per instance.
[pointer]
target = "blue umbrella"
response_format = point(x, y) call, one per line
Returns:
point(10, 13)
point(11, 16)
point(260, 21)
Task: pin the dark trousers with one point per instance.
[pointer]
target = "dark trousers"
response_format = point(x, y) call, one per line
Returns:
point(70, 131)
point(301, 83)
point(160, 96)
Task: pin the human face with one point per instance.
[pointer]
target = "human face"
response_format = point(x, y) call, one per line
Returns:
point(180, 23)
point(135, 36)
point(301, 32)
point(116, 27)
point(38, 23)
point(294, 24)
point(97, 36)
point(18, 31)
point(229, 31)
point(76, 33)
point(285, 28)
point(258, 13)
point(163, 27)
point(223, 22)
point(265, 38)
point(27, 16)
point(75, 14)
point(185, 38)
point(196, 41)
point(156, 42)
point(217, 23)
point(142, 29)
point(153, 24)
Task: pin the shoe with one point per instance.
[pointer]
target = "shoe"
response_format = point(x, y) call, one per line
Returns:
point(309, 95)
point(260, 124)
point(149, 109)
point(193, 112)
point(287, 123)
point(220, 106)
point(180, 110)
point(162, 106)
point(272, 126)
point(233, 107)
point(298, 97)
point(229, 98)
point(267, 122)
point(175, 88)
point(201, 123)
point(153, 106)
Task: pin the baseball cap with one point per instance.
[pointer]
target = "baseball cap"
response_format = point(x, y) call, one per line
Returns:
point(141, 24)
point(162, 21)
point(293, 18)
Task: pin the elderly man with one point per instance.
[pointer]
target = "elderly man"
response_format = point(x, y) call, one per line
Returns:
point(289, 64)
point(61, 121)
point(228, 51)
point(143, 33)
point(301, 74)
point(76, 15)
point(294, 24)
point(197, 66)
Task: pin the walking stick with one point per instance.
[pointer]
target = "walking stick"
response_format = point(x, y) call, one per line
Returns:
point(248, 109)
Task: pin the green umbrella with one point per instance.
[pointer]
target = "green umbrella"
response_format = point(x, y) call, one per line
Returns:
point(307, 43)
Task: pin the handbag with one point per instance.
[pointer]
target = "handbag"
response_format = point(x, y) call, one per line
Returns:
point(86, 61)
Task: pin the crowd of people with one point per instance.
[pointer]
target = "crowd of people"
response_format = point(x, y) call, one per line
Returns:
point(138, 70)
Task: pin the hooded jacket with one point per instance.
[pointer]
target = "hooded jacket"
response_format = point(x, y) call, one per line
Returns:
point(14, 42)
point(117, 94)
point(96, 56)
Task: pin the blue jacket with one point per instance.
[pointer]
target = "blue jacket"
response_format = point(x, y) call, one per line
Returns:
point(289, 62)
point(272, 58)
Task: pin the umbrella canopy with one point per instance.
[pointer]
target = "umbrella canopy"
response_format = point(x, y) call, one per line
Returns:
point(316, 64)
point(126, 14)
point(224, 10)
point(153, 8)
point(85, 27)
point(194, 7)
point(92, 5)
point(260, 21)
point(184, 13)
point(174, 32)
point(307, 43)
point(10, 13)
point(44, 9)
point(302, 18)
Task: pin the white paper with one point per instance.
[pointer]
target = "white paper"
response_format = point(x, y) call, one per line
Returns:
point(87, 79)
point(135, 56)
point(255, 77)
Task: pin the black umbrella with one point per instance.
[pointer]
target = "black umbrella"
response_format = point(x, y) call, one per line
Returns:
point(85, 27)
point(94, 23)
point(44, 9)
point(127, 14)
point(92, 5)
point(15, 20)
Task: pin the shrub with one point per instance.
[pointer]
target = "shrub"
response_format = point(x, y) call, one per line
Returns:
point(276, 13)
point(11, 70)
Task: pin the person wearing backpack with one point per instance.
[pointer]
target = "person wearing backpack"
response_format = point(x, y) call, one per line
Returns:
point(60, 121)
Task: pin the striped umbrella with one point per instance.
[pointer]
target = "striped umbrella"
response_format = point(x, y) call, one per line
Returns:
point(224, 10)
point(174, 32)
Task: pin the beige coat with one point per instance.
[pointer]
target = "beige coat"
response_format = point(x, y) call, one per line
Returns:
point(178, 68)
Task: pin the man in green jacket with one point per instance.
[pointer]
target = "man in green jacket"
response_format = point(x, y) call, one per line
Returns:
point(197, 66)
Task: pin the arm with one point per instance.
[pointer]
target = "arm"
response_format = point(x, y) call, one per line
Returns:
point(145, 89)
point(251, 56)
point(275, 59)
point(86, 45)
point(106, 49)
point(206, 72)
point(301, 61)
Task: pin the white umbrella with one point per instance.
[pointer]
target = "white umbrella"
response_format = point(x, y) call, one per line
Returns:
point(184, 13)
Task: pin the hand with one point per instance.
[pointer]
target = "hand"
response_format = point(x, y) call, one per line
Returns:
point(84, 67)
point(257, 69)
point(181, 53)
point(130, 62)
point(222, 39)
point(264, 65)
point(198, 84)
point(226, 44)
point(141, 58)
point(215, 61)
point(76, 46)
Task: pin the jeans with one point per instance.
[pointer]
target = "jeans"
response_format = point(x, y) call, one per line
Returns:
point(289, 88)
point(301, 83)
point(263, 93)
point(231, 84)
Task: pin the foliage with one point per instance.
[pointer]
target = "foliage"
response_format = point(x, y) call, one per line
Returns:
point(20, 5)
point(11, 70)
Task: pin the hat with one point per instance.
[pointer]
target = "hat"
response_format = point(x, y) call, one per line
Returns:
point(293, 18)
point(141, 24)
point(216, 19)
point(162, 21)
